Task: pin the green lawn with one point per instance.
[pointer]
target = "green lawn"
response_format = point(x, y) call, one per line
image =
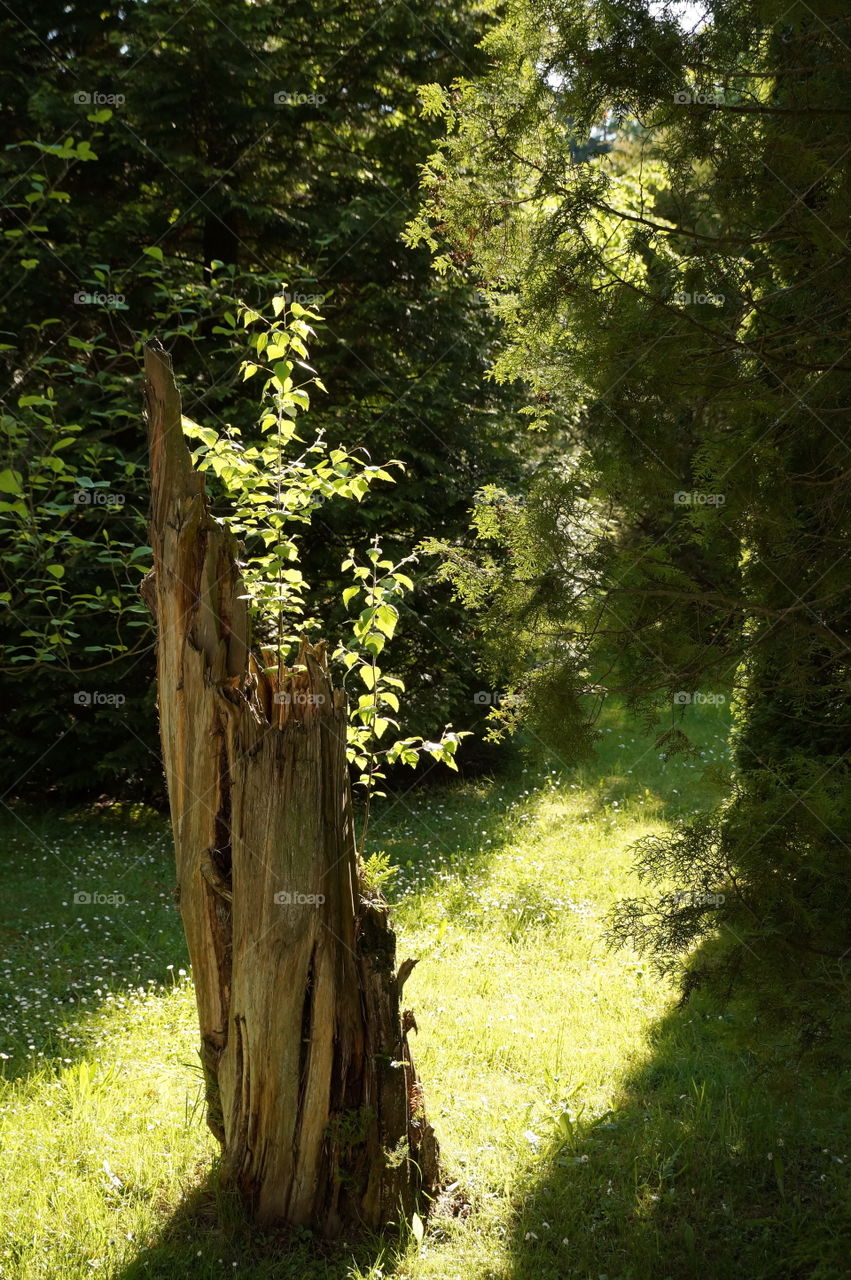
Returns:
point(594, 1128)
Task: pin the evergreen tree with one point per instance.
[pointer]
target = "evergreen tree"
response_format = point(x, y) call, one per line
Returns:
point(660, 209)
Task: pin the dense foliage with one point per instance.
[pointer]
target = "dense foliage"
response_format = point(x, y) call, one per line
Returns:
point(164, 162)
point(659, 205)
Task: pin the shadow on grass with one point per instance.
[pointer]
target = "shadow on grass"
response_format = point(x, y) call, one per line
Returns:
point(87, 909)
point(709, 1165)
point(61, 955)
point(208, 1235)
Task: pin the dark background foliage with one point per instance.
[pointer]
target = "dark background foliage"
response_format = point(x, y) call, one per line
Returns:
point(281, 143)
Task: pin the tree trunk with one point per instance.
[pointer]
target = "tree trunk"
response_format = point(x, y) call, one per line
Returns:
point(310, 1085)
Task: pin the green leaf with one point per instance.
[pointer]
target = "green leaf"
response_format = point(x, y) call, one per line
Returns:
point(10, 481)
point(196, 432)
point(386, 618)
point(55, 570)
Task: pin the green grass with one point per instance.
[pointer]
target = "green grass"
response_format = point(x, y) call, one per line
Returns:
point(594, 1128)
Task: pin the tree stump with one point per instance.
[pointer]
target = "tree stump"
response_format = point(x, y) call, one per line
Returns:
point(311, 1088)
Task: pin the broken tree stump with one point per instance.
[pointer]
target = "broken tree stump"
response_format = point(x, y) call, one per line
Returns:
point(311, 1089)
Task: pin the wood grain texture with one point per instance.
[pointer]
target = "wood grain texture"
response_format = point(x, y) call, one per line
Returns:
point(310, 1084)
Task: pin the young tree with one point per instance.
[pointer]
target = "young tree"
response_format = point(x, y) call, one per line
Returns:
point(659, 207)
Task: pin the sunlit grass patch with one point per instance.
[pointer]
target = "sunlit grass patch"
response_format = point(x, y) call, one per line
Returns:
point(96, 1149)
point(591, 1126)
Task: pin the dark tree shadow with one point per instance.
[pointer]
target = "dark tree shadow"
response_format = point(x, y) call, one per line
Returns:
point(61, 956)
point(209, 1235)
point(712, 1164)
point(88, 911)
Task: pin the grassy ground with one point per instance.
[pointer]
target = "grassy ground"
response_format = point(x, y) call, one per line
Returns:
point(595, 1129)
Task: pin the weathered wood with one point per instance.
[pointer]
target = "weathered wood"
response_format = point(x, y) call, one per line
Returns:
point(310, 1084)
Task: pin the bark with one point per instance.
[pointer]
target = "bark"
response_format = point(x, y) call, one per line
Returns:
point(311, 1089)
